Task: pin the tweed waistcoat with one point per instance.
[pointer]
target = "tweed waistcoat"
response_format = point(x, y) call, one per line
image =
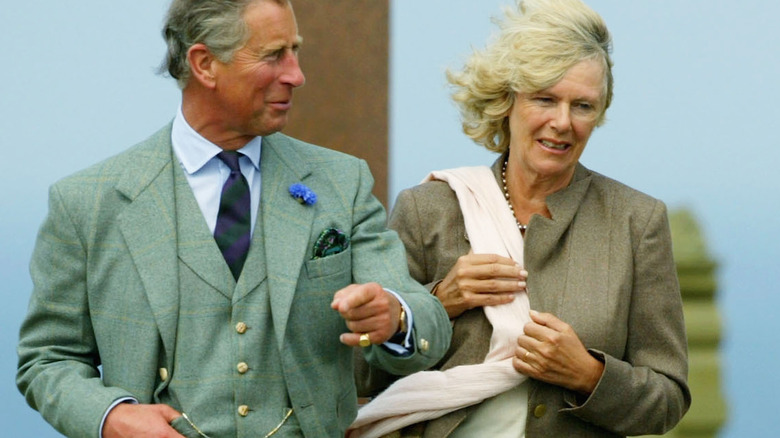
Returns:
point(227, 374)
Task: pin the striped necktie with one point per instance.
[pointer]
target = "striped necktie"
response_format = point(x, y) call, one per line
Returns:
point(232, 232)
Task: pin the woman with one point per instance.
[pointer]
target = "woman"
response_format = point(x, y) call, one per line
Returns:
point(603, 353)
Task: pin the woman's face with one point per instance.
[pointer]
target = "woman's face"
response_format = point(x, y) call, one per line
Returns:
point(550, 128)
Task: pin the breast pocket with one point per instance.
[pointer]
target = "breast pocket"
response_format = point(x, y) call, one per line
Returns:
point(331, 266)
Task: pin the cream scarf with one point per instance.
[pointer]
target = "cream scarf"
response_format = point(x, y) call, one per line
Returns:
point(426, 395)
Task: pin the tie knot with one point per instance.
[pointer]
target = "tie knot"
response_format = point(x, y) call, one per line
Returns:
point(231, 159)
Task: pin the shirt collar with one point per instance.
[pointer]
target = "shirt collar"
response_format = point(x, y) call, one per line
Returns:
point(194, 151)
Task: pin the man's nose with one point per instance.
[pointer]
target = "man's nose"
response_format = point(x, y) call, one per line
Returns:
point(292, 75)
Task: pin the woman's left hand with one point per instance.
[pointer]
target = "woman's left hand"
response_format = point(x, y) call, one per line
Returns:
point(552, 352)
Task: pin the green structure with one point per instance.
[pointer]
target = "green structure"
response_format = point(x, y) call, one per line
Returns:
point(696, 271)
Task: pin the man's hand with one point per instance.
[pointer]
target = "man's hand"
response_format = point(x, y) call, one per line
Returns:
point(142, 421)
point(367, 308)
point(552, 352)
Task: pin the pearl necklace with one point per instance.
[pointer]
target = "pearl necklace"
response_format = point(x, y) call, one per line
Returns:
point(521, 227)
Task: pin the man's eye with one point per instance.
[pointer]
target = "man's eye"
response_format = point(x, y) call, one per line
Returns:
point(273, 56)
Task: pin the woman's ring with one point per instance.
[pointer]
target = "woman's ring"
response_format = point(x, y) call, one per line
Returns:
point(365, 340)
point(527, 353)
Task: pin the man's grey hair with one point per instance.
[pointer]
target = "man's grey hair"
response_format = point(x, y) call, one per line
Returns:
point(218, 24)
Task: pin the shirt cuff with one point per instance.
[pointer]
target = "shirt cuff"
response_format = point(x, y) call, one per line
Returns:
point(110, 408)
point(404, 348)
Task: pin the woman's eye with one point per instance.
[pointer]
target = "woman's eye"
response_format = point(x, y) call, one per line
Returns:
point(543, 100)
point(583, 107)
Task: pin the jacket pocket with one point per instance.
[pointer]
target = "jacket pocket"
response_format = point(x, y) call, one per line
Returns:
point(340, 263)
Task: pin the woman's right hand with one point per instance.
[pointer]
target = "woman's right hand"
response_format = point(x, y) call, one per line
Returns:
point(480, 280)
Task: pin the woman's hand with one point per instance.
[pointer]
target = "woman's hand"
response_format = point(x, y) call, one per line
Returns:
point(480, 280)
point(552, 352)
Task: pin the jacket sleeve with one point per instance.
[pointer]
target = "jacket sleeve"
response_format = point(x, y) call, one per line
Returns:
point(404, 219)
point(58, 360)
point(379, 255)
point(655, 360)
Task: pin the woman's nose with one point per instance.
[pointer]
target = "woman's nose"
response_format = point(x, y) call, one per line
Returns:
point(561, 119)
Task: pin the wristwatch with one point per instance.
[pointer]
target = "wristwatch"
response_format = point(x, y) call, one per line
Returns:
point(402, 324)
point(400, 336)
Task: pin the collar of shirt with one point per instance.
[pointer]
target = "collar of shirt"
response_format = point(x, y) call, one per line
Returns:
point(206, 174)
point(194, 151)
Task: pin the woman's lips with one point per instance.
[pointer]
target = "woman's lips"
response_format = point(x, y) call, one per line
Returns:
point(554, 145)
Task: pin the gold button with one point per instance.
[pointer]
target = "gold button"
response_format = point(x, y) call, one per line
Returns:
point(243, 410)
point(540, 410)
point(424, 345)
point(241, 328)
point(242, 367)
point(164, 374)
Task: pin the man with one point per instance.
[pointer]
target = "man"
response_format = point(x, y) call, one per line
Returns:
point(183, 290)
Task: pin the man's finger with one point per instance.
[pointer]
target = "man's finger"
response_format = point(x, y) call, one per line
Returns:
point(168, 413)
point(350, 297)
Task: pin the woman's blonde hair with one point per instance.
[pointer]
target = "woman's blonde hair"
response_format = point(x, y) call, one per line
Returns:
point(537, 43)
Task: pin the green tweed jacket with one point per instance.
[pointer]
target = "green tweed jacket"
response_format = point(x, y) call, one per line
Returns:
point(102, 321)
point(602, 264)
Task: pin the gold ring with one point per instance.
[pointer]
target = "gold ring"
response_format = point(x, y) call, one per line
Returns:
point(527, 353)
point(365, 340)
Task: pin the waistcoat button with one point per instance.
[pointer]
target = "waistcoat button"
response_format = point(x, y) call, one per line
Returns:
point(242, 367)
point(540, 410)
point(241, 328)
point(243, 410)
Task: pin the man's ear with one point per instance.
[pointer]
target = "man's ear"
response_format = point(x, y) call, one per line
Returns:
point(202, 65)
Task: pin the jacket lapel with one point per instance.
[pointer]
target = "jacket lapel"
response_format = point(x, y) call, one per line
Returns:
point(148, 225)
point(254, 271)
point(547, 244)
point(286, 224)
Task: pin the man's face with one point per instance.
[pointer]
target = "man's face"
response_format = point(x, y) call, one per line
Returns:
point(254, 90)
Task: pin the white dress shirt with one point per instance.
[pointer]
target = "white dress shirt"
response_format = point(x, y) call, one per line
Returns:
point(206, 173)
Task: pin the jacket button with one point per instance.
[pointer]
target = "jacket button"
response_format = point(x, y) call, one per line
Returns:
point(540, 410)
point(241, 328)
point(242, 367)
point(243, 410)
point(424, 345)
point(163, 374)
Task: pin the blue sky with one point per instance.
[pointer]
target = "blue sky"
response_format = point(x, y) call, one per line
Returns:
point(693, 123)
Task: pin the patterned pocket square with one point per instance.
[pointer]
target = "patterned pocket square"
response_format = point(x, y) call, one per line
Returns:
point(331, 241)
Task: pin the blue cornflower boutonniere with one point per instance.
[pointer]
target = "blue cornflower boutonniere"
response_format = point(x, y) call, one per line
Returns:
point(303, 194)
